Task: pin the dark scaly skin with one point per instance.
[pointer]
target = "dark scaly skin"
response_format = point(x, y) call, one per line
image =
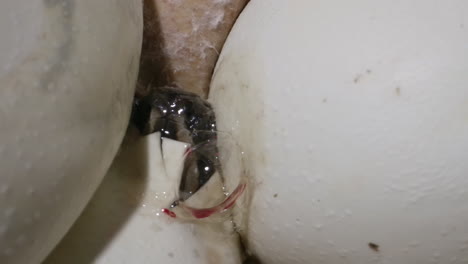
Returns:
point(182, 116)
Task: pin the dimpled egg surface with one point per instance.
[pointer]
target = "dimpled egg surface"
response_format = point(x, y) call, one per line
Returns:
point(353, 117)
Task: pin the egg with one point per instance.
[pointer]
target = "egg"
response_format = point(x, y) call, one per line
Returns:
point(67, 88)
point(353, 117)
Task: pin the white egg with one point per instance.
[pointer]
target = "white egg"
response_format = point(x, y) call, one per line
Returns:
point(353, 116)
point(67, 87)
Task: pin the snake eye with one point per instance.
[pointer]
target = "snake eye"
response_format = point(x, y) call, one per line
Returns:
point(201, 162)
point(212, 179)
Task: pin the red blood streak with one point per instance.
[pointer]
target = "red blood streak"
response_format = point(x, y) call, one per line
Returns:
point(229, 205)
point(187, 151)
point(202, 213)
point(169, 212)
point(229, 202)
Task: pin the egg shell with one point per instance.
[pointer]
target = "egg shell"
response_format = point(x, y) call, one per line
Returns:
point(353, 116)
point(68, 71)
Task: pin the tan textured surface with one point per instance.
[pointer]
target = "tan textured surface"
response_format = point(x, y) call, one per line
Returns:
point(183, 39)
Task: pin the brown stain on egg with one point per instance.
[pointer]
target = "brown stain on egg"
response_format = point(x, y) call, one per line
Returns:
point(359, 76)
point(398, 91)
point(375, 247)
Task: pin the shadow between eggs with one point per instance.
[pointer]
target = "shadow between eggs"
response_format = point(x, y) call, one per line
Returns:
point(115, 201)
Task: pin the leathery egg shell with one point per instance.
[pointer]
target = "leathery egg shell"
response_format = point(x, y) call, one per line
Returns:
point(68, 71)
point(353, 117)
